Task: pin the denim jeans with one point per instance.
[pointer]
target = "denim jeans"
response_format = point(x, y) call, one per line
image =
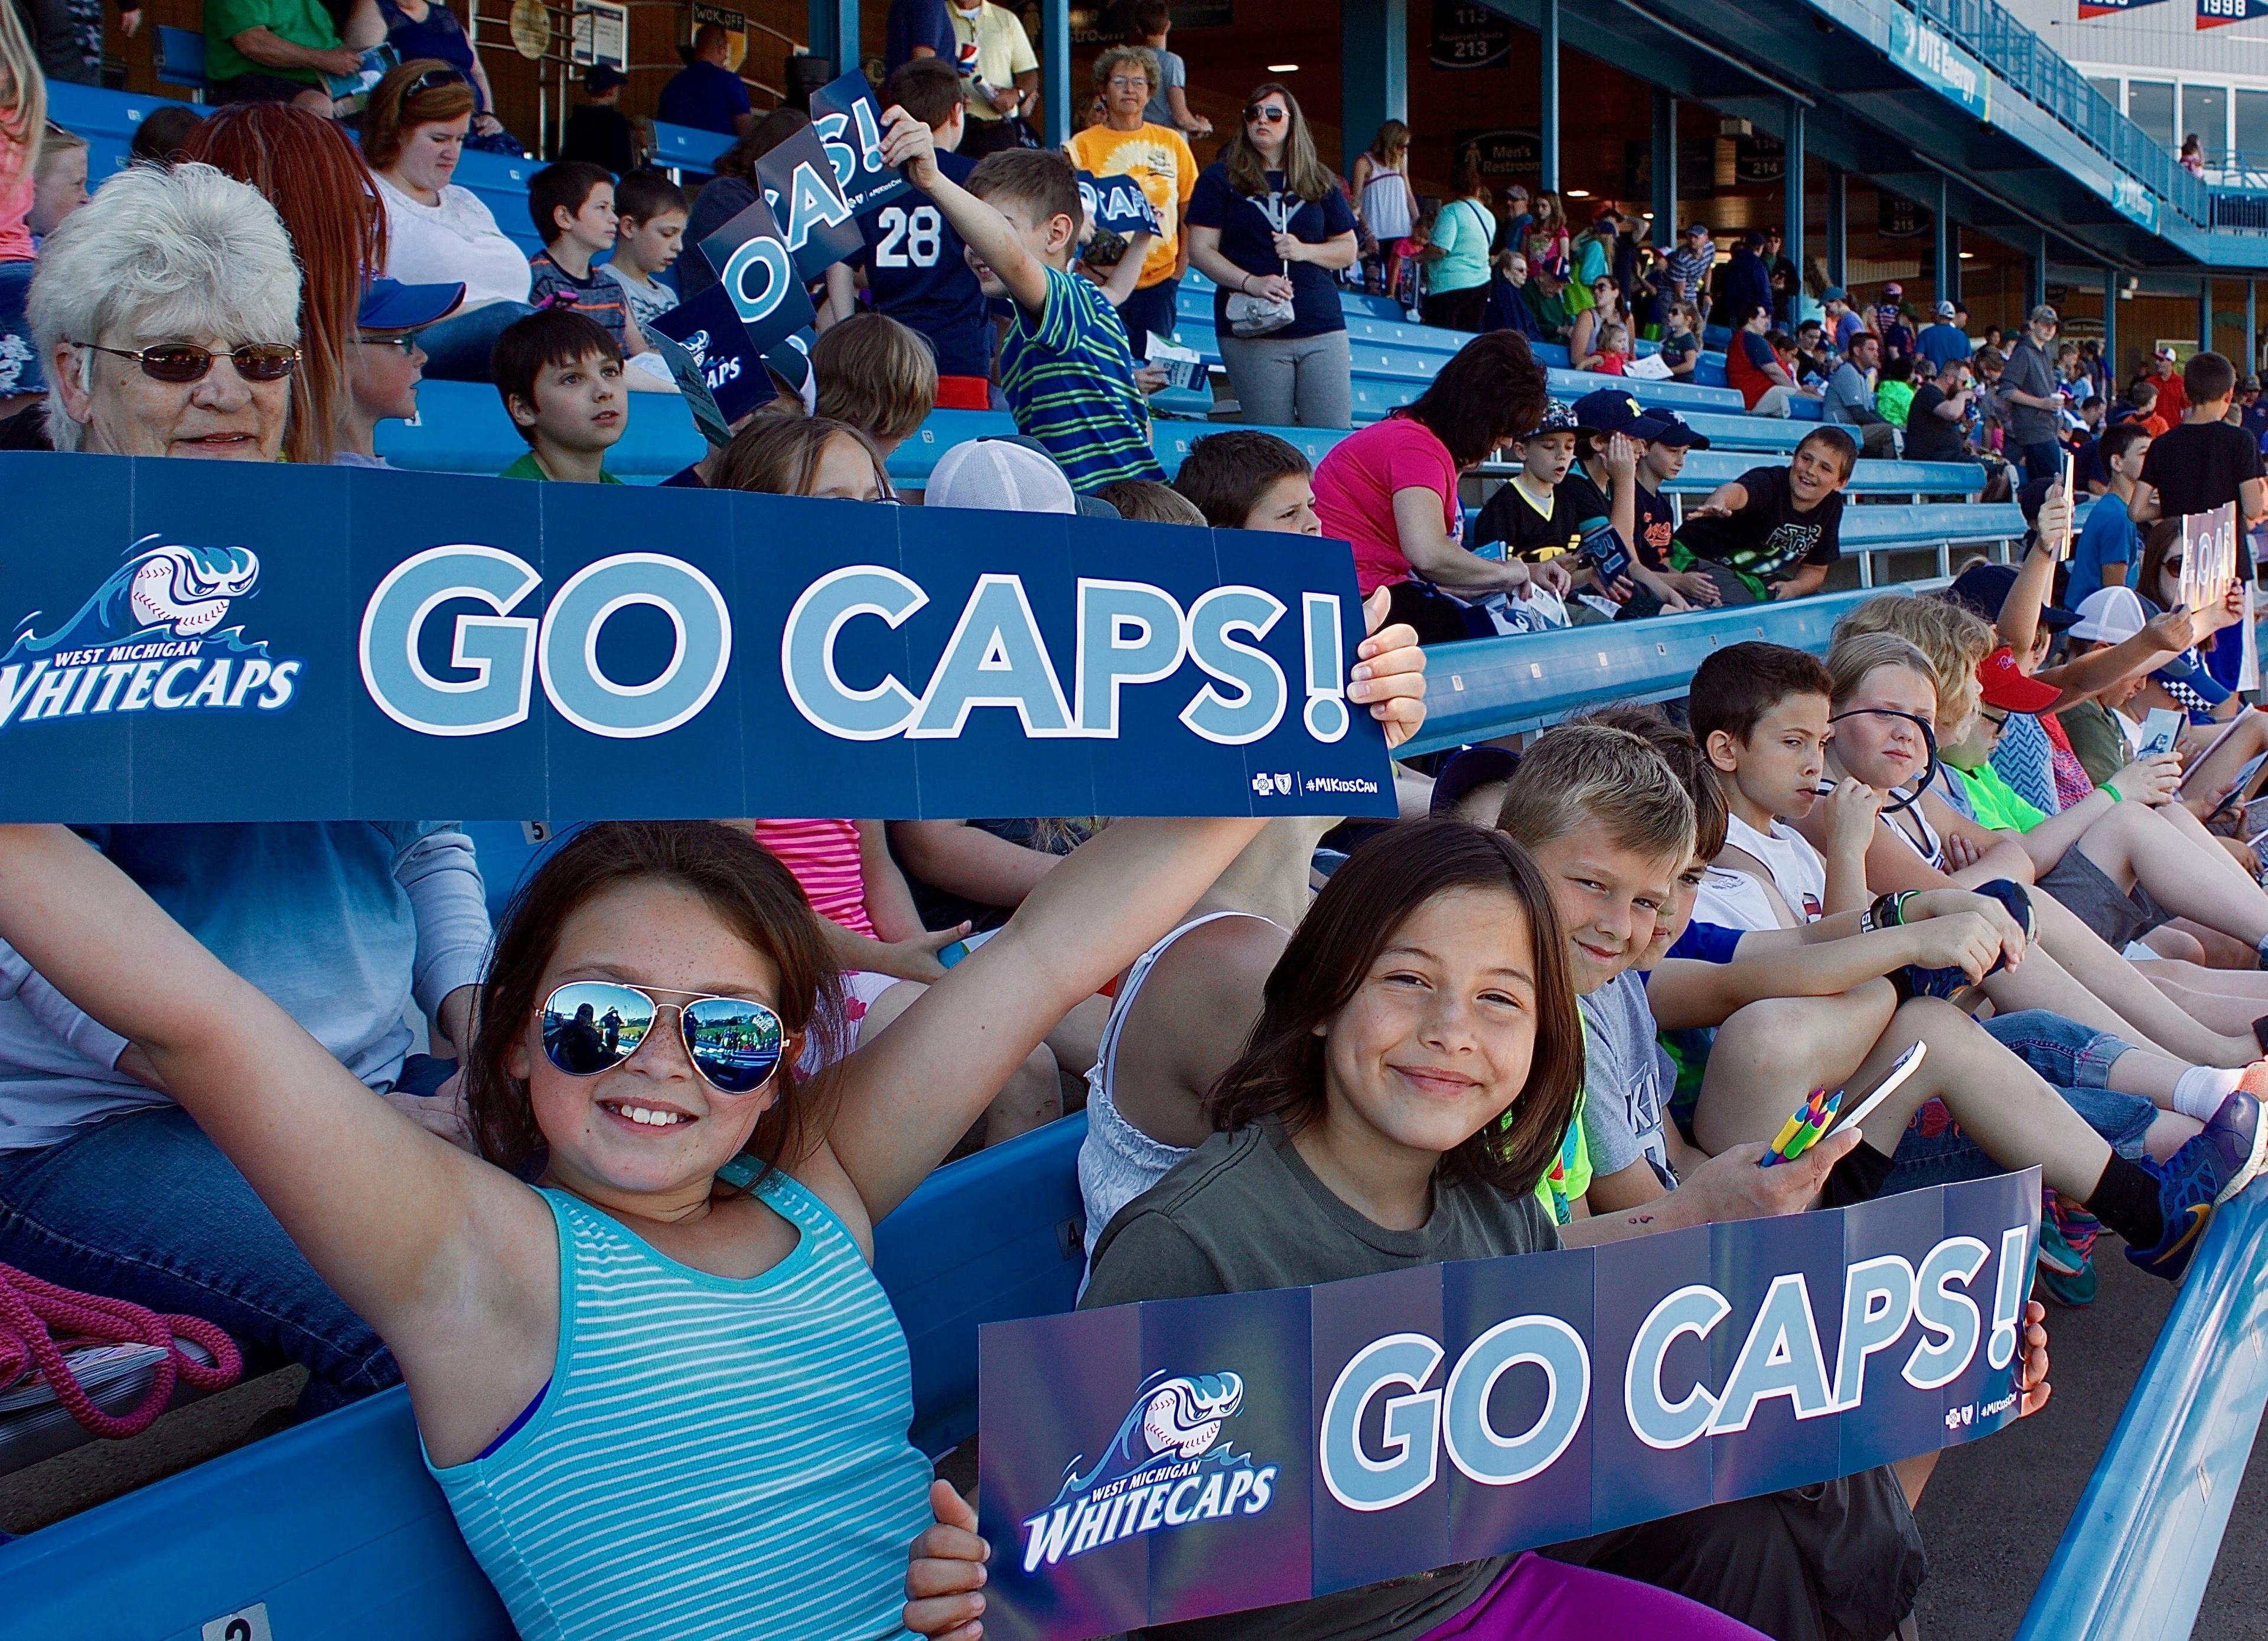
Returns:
point(144, 1207)
point(1153, 310)
point(2074, 1059)
point(457, 349)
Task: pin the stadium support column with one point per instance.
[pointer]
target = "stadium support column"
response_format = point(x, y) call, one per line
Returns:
point(1055, 71)
point(2205, 314)
point(1548, 100)
point(835, 32)
point(2036, 274)
point(2252, 327)
point(1792, 226)
point(1838, 223)
point(1373, 70)
point(1949, 246)
point(2111, 323)
point(1665, 169)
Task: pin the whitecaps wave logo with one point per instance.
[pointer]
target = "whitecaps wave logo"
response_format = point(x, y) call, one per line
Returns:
point(1165, 1466)
point(163, 590)
point(151, 637)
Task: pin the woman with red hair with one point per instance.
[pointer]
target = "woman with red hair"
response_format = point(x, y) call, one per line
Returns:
point(311, 170)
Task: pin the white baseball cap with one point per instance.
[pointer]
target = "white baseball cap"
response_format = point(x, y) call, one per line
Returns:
point(1002, 475)
point(2110, 616)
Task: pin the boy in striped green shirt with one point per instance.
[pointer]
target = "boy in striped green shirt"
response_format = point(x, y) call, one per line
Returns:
point(1066, 369)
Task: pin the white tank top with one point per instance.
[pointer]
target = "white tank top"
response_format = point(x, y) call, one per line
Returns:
point(1385, 203)
point(1117, 1161)
point(1797, 871)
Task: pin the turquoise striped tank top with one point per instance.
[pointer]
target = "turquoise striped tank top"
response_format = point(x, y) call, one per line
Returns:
point(713, 1456)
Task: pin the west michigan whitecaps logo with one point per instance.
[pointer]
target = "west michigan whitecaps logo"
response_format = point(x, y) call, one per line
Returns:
point(149, 638)
point(1165, 1468)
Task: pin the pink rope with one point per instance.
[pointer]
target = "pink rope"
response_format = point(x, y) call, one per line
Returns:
point(33, 1312)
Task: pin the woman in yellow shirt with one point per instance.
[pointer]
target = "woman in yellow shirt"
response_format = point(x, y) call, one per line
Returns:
point(1158, 157)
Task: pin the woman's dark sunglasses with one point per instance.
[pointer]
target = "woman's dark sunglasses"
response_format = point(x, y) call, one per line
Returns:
point(181, 362)
point(1267, 116)
point(592, 1026)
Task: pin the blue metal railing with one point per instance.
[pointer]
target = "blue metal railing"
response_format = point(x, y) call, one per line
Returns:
point(2137, 1554)
point(2026, 62)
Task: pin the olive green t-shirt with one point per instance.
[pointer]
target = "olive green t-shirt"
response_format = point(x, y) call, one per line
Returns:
point(2095, 738)
point(1243, 1212)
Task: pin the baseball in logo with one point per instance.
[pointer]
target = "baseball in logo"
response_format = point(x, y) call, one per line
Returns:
point(149, 638)
point(1166, 1467)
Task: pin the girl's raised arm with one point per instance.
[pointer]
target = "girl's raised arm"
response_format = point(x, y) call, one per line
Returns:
point(907, 1095)
point(375, 1202)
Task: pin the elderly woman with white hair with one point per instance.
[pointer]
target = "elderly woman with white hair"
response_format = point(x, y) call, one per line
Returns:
point(166, 310)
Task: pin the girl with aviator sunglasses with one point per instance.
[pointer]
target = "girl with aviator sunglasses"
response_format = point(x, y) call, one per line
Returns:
point(659, 1385)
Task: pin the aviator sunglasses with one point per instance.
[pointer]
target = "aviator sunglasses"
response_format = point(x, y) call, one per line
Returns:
point(181, 362)
point(592, 1026)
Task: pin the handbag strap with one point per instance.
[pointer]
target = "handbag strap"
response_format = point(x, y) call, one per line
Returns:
point(31, 1308)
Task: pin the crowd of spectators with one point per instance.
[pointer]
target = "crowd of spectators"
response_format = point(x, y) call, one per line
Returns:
point(1948, 832)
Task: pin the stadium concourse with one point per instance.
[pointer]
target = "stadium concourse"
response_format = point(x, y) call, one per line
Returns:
point(1770, 688)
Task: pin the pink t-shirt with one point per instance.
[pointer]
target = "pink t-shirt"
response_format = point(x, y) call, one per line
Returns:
point(15, 197)
point(824, 856)
point(1354, 494)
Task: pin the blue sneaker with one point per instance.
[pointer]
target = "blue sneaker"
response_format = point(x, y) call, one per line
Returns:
point(2199, 1178)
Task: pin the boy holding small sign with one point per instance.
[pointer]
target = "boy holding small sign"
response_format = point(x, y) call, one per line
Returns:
point(1065, 367)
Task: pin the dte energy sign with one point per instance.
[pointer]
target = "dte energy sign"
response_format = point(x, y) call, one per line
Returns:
point(318, 644)
point(1151, 1463)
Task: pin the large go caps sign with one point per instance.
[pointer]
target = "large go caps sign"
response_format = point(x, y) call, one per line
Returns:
point(198, 642)
point(1151, 1463)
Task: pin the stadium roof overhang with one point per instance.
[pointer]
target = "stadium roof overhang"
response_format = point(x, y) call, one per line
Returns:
point(1885, 100)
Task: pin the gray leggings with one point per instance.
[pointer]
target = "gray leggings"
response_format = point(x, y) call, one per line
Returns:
point(1301, 383)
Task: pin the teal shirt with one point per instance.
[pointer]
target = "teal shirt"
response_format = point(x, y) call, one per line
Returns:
point(1462, 232)
point(1068, 376)
point(714, 1456)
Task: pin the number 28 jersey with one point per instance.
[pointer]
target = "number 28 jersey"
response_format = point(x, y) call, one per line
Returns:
point(918, 275)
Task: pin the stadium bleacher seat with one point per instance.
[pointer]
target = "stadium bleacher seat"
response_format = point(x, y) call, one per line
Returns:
point(178, 56)
point(105, 119)
point(683, 152)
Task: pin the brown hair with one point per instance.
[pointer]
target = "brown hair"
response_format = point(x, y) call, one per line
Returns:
point(2158, 544)
point(778, 454)
point(926, 88)
point(1686, 761)
point(1488, 391)
point(311, 170)
point(390, 116)
point(1734, 687)
point(1304, 173)
point(734, 876)
point(875, 374)
point(1040, 179)
point(1383, 883)
point(1393, 138)
point(1149, 502)
point(1224, 473)
point(1591, 776)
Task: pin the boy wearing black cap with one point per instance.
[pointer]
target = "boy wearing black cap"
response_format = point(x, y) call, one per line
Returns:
point(597, 130)
point(1547, 508)
point(1623, 454)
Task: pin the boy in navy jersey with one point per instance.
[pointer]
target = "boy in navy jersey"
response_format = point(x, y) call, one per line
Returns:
point(915, 269)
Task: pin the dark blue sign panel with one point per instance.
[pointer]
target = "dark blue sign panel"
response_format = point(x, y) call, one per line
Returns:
point(1151, 1463)
point(190, 643)
point(798, 178)
point(849, 121)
